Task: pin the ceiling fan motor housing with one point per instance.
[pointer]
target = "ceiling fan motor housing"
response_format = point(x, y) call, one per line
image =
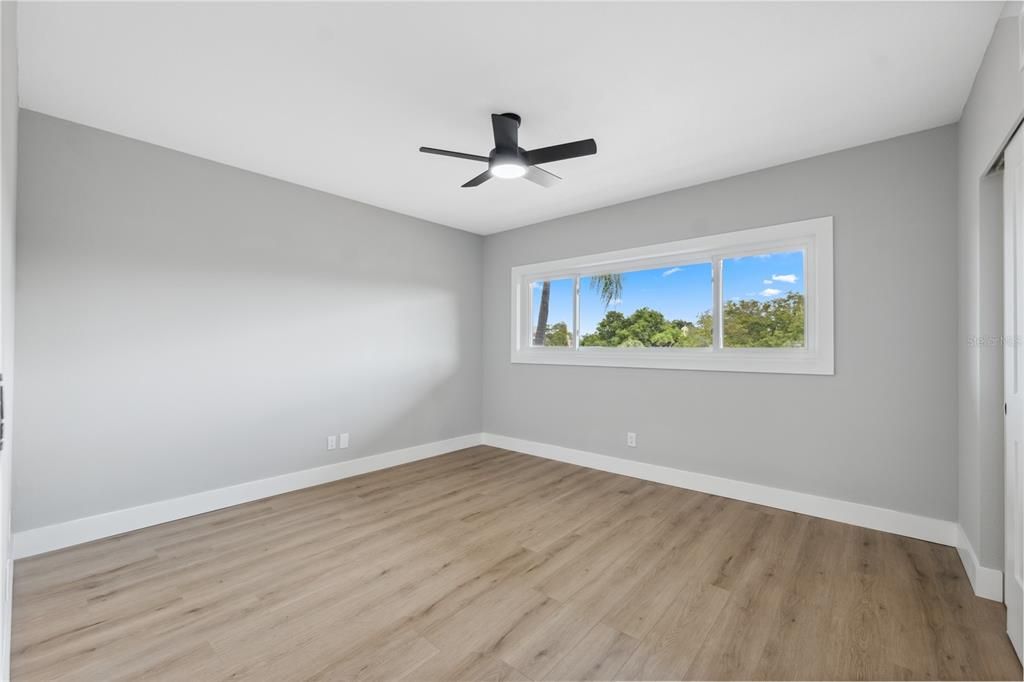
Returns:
point(508, 160)
point(507, 156)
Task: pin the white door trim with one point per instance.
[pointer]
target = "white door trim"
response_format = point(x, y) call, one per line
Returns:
point(1013, 388)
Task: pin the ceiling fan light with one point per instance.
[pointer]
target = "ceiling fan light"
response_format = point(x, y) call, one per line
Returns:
point(508, 169)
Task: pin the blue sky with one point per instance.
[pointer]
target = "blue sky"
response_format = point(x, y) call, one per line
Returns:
point(680, 293)
point(763, 277)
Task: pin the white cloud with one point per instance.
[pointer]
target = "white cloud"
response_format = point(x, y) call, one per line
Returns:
point(670, 271)
point(766, 281)
point(771, 292)
point(615, 301)
point(790, 279)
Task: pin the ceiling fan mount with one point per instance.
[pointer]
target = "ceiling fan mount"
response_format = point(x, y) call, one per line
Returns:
point(508, 160)
point(515, 117)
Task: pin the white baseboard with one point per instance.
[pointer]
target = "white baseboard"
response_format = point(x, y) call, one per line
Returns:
point(877, 518)
point(48, 538)
point(987, 582)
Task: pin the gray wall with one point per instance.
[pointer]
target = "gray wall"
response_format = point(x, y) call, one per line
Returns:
point(992, 111)
point(8, 196)
point(882, 431)
point(184, 325)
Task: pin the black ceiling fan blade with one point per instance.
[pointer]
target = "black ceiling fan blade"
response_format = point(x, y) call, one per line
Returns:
point(559, 152)
point(541, 177)
point(457, 155)
point(480, 179)
point(506, 132)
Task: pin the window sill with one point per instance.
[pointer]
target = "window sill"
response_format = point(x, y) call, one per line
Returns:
point(770, 361)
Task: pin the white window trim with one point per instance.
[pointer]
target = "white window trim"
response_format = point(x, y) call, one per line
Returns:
point(814, 236)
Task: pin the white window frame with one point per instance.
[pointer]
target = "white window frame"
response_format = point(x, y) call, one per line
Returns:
point(813, 237)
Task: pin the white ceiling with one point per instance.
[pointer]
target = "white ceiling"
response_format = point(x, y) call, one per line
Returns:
point(339, 97)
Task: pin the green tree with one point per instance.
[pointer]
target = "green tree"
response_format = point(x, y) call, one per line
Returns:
point(558, 334)
point(776, 323)
point(645, 327)
point(747, 323)
point(698, 335)
point(608, 286)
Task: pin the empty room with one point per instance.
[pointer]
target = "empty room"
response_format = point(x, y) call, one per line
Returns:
point(511, 340)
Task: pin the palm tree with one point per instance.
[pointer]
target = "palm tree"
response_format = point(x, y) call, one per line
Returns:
point(542, 315)
point(608, 286)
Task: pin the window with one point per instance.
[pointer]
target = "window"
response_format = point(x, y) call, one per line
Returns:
point(763, 304)
point(660, 307)
point(756, 300)
point(552, 308)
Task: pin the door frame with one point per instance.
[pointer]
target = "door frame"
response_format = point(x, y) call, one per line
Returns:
point(1012, 179)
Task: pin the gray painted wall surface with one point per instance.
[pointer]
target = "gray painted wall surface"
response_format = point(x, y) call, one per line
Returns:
point(9, 190)
point(184, 325)
point(189, 326)
point(992, 110)
point(882, 431)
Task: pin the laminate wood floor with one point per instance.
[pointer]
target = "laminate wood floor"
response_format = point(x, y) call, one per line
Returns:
point(485, 564)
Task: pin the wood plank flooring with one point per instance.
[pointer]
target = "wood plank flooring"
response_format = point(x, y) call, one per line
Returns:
point(485, 564)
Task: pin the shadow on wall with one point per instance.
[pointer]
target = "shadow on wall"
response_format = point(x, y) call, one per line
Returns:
point(189, 326)
point(215, 384)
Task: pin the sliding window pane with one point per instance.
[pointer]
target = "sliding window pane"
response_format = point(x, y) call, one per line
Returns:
point(551, 312)
point(763, 301)
point(666, 307)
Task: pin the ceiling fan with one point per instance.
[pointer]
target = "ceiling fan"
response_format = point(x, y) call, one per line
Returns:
point(509, 160)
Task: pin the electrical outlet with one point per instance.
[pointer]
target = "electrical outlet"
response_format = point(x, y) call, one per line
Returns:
point(343, 440)
point(332, 442)
point(631, 439)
